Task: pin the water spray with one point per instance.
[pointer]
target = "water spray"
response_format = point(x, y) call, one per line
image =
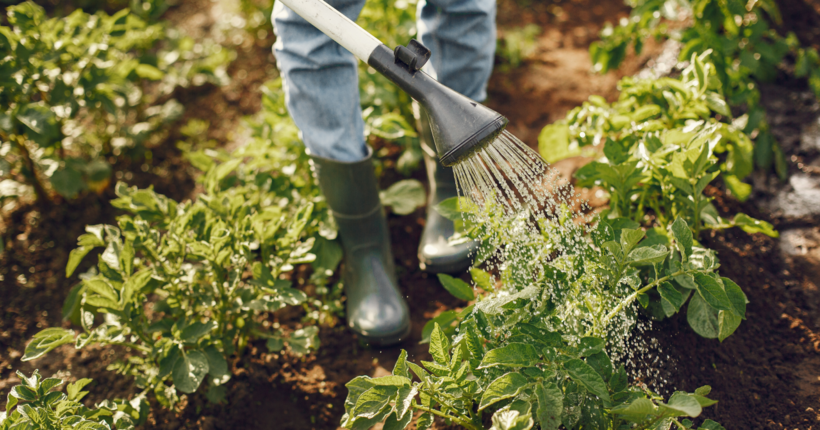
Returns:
point(460, 126)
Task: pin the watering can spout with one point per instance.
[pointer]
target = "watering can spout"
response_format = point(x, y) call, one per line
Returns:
point(460, 126)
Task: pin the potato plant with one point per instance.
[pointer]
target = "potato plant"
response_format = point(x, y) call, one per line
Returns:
point(34, 404)
point(75, 92)
point(181, 285)
point(748, 51)
point(664, 141)
point(536, 349)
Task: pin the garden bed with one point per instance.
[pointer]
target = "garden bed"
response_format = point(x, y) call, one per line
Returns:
point(767, 375)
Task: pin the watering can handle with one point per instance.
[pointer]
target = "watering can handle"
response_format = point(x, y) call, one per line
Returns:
point(339, 27)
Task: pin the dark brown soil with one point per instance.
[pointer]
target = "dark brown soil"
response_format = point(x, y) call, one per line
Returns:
point(765, 375)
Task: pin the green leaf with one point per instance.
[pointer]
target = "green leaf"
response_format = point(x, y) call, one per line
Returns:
point(404, 400)
point(636, 410)
point(393, 423)
point(554, 143)
point(711, 290)
point(585, 375)
point(711, 425)
point(602, 365)
point(630, 238)
point(728, 322)
point(45, 341)
point(645, 112)
point(400, 368)
point(481, 278)
point(67, 182)
point(216, 394)
point(439, 346)
point(404, 196)
point(303, 340)
point(74, 389)
point(217, 365)
point(41, 123)
point(275, 344)
point(444, 319)
point(392, 380)
point(328, 254)
point(737, 188)
point(648, 255)
point(703, 318)
point(511, 355)
point(682, 405)
point(148, 71)
point(75, 257)
point(510, 419)
point(503, 387)
point(450, 208)
point(458, 288)
point(752, 226)
point(683, 236)
point(193, 332)
point(550, 405)
point(373, 401)
point(736, 297)
point(670, 294)
point(717, 104)
point(619, 380)
point(189, 371)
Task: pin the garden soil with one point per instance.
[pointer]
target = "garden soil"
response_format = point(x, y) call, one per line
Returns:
point(765, 376)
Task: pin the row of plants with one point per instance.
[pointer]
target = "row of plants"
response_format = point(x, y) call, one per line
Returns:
point(747, 49)
point(544, 342)
point(183, 287)
point(79, 92)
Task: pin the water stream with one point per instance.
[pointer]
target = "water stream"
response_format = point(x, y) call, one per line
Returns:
point(533, 220)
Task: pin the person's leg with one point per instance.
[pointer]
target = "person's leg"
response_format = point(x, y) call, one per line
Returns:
point(321, 84)
point(322, 96)
point(461, 37)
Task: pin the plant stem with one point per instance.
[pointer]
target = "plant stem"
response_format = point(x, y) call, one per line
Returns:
point(39, 189)
point(140, 348)
point(461, 422)
point(635, 295)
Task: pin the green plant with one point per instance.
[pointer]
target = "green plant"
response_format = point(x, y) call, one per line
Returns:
point(34, 405)
point(537, 347)
point(664, 141)
point(206, 268)
point(747, 51)
point(77, 93)
point(515, 45)
point(60, 76)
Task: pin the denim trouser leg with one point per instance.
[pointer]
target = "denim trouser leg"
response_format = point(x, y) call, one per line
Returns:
point(461, 35)
point(320, 77)
point(321, 84)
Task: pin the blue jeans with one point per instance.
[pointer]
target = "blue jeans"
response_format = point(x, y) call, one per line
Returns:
point(321, 80)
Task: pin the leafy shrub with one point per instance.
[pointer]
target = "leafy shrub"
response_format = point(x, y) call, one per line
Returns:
point(182, 284)
point(747, 52)
point(664, 141)
point(192, 263)
point(74, 94)
point(33, 405)
point(537, 347)
point(515, 45)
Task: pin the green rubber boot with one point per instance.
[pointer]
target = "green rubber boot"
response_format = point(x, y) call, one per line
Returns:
point(376, 310)
point(435, 254)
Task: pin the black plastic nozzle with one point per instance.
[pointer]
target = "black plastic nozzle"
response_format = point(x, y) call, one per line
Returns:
point(460, 126)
